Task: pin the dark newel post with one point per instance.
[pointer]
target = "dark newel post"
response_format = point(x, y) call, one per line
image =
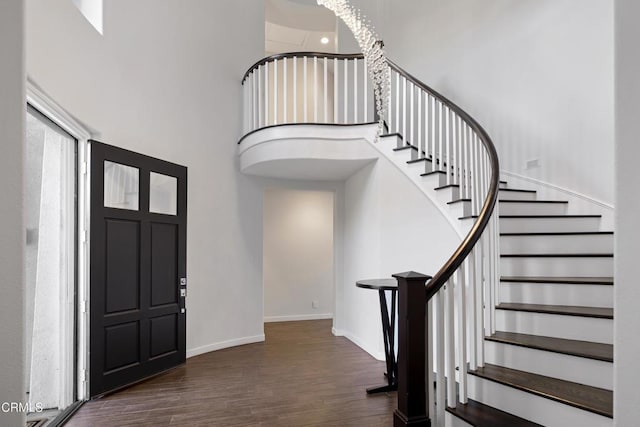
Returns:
point(412, 306)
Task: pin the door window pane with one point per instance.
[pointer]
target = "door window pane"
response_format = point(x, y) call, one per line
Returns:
point(121, 186)
point(163, 194)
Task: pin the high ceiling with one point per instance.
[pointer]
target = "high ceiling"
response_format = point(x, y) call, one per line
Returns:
point(292, 26)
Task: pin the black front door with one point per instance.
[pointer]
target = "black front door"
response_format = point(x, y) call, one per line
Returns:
point(138, 267)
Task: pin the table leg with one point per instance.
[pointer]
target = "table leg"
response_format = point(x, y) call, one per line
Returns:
point(388, 334)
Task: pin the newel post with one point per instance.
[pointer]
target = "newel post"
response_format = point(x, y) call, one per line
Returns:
point(412, 327)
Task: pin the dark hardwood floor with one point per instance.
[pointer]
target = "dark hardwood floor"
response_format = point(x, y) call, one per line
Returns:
point(300, 376)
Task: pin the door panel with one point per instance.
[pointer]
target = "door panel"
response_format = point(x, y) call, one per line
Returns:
point(138, 258)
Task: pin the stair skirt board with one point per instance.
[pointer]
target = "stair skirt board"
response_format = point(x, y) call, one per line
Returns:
point(556, 243)
point(556, 325)
point(595, 373)
point(513, 207)
point(549, 224)
point(532, 407)
point(557, 293)
point(557, 266)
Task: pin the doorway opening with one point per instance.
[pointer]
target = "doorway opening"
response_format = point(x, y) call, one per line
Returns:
point(298, 255)
point(51, 216)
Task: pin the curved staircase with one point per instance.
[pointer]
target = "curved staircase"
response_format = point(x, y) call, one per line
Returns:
point(536, 346)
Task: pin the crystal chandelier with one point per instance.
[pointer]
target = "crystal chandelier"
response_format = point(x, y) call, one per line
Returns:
point(371, 47)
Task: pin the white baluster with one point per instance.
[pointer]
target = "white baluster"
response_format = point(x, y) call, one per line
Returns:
point(295, 89)
point(430, 358)
point(422, 152)
point(315, 89)
point(447, 145)
point(335, 90)
point(450, 349)
point(439, 304)
point(397, 127)
point(432, 102)
point(365, 93)
point(254, 103)
point(461, 304)
point(355, 90)
point(404, 111)
point(285, 100)
point(346, 91)
point(266, 94)
point(454, 150)
point(305, 85)
point(275, 91)
point(472, 305)
point(412, 128)
point(326, 99)
point(440, 136)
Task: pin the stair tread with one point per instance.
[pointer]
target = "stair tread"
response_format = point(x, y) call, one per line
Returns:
point(447, 186)
point(480, 415)
point(533, 201)
point(518, 190)
point(432, 172)
point(559, 255)
point(559, 233)
point(458, 201)
point(406, 147)
point(538, 216)
point(593, 399)
point(421, 159)
point(568, 310)
point(587, 349)
point(567, 280)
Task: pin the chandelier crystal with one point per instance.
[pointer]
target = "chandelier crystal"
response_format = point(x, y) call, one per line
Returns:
point(372, 49)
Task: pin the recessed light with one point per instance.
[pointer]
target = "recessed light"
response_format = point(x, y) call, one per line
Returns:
point(324, 40)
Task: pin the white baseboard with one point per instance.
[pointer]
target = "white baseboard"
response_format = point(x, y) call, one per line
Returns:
point(378, 355)
point(268, 319)
point(224, 344)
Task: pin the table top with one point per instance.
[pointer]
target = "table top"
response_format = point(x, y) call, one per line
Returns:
point(379, 284)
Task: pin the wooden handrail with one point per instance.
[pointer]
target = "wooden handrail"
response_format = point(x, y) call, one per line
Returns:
point(458, 257)
point(300, 55)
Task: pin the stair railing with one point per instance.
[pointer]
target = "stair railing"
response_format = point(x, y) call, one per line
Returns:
point(324, 88)
point(453, 145)
point(307, 87)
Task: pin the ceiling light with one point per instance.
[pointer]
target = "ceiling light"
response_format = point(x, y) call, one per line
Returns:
point(324, 40)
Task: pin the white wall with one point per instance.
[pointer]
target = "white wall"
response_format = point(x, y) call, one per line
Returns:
point(390, 227)
point(627, 292)
point(298, 254)
point(164, 80)
point(537, 74)
point(12, 232)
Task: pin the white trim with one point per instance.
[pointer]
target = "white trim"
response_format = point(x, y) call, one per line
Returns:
point(562, 189)
point(47, 106)
point(224, 344)
point(56, 113)
point(377, 354)
point(268, 319)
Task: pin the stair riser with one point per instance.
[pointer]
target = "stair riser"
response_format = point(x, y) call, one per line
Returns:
point(524, 208)
point(557, 294)
point(460, 209)
point(543, 225)
point(579, 243)
point(555, 325)
point(418, 168)
point(516, 195)
point(591, 372)
point(434, 181)
point(529, 406)
point(446, 195)
point(573, 267)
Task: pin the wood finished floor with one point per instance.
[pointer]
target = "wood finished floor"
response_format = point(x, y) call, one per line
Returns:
point(301, 375)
